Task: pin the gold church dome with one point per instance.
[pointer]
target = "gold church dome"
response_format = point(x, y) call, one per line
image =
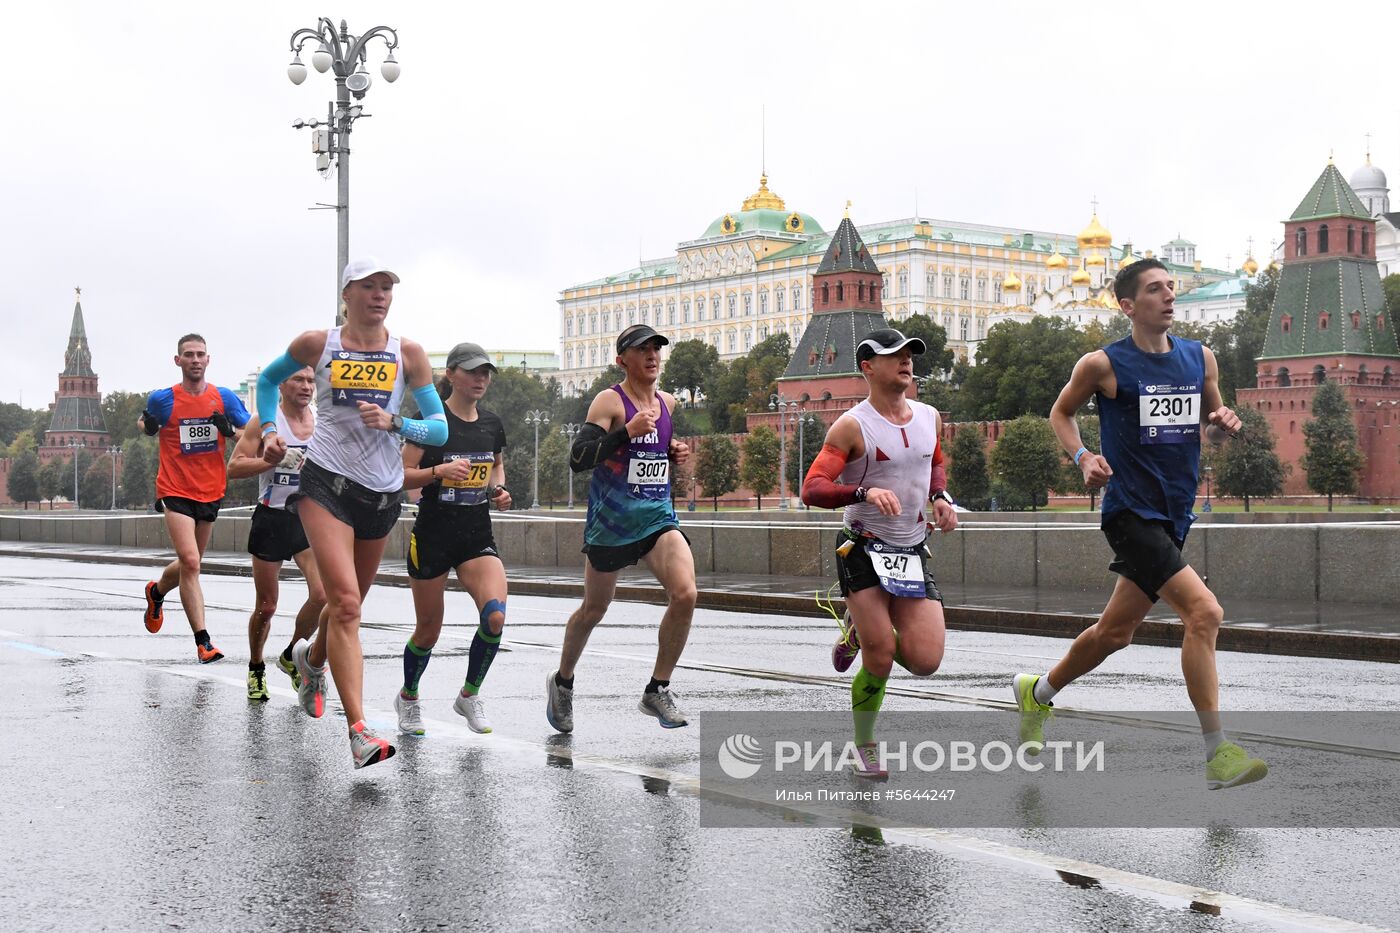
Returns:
point(1250, 267)
point(1080, 277)
point(1056, 261)
point(1095, 261)
point(1095, 235)
point(1011, 283)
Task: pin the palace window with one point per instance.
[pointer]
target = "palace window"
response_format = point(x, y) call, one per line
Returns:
point(763, 301)
point(1365, 241)
point(671, 311)
point(860, 291)
point(732, 305)
point(1300, 245)
point(685, 310)
point(1322, 238)
point(1284, 379)
point(593, 323)
point(733, 342)
point(1319, 374)
point(826, 294)
point(714, 306)
point(981, 288)
point(928, 285)
point(840, 291)
point(947, 285)
point(748, 339)
point(964, 285)
point(592, 356)
point(569, 358)
point(996, 291)
point(1351, 238)
point(569, 328)
point(763, 333)
point(885, 282)
point(903, 284)
point(778, 295)
point(797, 298)
point(962, 327)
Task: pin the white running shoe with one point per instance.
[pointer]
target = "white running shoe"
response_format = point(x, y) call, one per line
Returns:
point(366, 747)
point(410, 714)
point(469, 705)
point(311, 692)
point(559, 704)
point(662, 705)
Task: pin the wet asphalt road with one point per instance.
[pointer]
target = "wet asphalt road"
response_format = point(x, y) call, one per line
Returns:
point(144, 791)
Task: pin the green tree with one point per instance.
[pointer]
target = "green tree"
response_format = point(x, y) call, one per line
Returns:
point(23, 441)
point(66, 477)
point(1027, 457)
point(1020, 369)
point(760, 466)
point(1332, 459)
point(689, 367)
point(799, 458)
point(1071, 477)
point(942, 393)
point(967, 471)
point(1247, 466)
point(40, 425)
point(717, 467)
point(575, 410)
point(554, 468)
point(50, 480)
point(1101, 335)
point(120, 410)
point(138, 479)
point(23, 482)
point(1243, 338)
point(96, 483)
point(13, 420)
point(512, 396)
point(726, 396)
point(938, 359)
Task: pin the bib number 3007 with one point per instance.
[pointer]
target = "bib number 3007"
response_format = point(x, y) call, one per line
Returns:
point(649, 475)
point(1169, 414)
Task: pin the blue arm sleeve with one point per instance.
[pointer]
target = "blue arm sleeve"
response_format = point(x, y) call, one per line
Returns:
point(431, 429)
point(233, 408)
point(160, 404)
point(273, 375)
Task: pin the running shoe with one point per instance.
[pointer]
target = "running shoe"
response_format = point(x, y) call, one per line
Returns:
point(366, 747)
point(312, 689)
point(1231, 766)
point(868, 763)
point(257, 686)
point(290, 669)
point(1033, 713)
point(155, 608)
point(559, 704)
point(208, 654)
point(469, 705)
point(662, 705)
point(843, 653)
point(410, 714)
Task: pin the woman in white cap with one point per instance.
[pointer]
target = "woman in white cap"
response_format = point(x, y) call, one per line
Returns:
point(460, 480)
point(352, 480)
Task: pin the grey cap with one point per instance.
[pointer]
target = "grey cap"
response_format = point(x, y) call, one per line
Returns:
point(468, 356)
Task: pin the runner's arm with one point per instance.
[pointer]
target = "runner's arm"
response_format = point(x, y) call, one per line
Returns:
point(820, 487)
point(247, 459)
point(1218, 422)
point(598, 438)
point(414, 476)
point(159, 405)
point(304, 351)
point(1090, 374)
point(431, 429)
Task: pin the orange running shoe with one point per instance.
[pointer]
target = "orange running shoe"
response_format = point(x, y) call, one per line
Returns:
point(155, 608)
point(208, 654)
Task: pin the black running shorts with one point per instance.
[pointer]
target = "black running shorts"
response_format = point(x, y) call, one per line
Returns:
point(275, 535)
point(371, 514)
point(433, 551)
point(199, 511)
point(606, 559)
point(855, 572)
point(1145, 551)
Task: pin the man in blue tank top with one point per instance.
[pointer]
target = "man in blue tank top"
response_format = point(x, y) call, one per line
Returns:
point(1158, 396)
point(627, 444)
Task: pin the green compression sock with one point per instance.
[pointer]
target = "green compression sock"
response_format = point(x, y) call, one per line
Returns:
point(867, 694)
point(415, 662)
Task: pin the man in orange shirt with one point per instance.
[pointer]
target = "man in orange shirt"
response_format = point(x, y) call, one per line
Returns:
point(193, 419)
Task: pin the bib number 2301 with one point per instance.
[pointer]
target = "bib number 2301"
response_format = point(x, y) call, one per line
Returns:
point(1169, 414)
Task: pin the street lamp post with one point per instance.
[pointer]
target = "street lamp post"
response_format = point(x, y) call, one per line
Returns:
point(569, 431)
point(1207, 470)
point(339, 52)
point(75, 447)
point(803, 419)
point(537, 418)
point(782, 406)
point(112, 452)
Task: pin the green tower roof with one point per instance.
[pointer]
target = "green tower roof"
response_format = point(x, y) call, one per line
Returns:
point(1349, 291)
point(1330, 196)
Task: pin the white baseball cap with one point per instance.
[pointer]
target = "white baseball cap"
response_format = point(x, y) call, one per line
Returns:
point(363, 268)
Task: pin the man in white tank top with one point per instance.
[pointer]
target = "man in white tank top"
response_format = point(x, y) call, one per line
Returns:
point(883, 463)
point(275, 535)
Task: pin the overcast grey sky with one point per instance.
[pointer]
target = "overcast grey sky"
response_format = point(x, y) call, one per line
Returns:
point(148, 154)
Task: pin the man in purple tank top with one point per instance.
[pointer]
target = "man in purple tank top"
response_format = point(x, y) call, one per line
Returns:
point(1152, 404)
point(627, 444)
point(883, 463)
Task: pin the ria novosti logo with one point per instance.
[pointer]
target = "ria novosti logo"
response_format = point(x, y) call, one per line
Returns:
point(740, 756)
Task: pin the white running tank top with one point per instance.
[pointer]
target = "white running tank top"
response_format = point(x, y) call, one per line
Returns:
point(342, 443)
point(276, 484)
point(898, 458)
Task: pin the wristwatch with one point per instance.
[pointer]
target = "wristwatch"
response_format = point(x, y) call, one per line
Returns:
point(396, 424)
point(861, 493)
point(942, 494)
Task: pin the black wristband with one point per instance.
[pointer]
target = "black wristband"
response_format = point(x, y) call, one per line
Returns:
point(861, 493)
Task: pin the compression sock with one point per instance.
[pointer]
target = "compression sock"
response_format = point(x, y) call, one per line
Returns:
point(201, 637)
point(1044, 693)
point(654, 685)
point(867, 693)
point(415, 662)
point(287, 652)
point(484, 646)
point(566, 682)
point(258, 666)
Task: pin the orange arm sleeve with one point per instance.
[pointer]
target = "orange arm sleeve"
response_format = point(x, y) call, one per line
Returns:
point(820, 488)
point(938, 476)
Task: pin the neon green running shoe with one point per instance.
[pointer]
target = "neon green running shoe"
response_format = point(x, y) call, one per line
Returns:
point(1033, 714)
point(290, 669)
point(257, 686)
point(1231, 766)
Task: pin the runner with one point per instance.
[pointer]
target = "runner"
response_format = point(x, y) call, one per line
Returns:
point(276, 535)
point(460, 482)
point(352, 481)
point(192, 418)
point(882, 461)
point(630, 518)
point(1157, 395)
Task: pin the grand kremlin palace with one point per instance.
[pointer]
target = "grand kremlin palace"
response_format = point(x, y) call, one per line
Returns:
point(747, 277)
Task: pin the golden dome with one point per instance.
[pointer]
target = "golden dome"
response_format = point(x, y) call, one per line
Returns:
point(1095, 260)
point(1250, 267)
point(763, 198)
point(1080, 277)
point(1056, 261)
point(1095, 235)
point(1011, 283)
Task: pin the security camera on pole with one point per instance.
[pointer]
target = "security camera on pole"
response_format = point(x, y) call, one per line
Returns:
point(344, 55)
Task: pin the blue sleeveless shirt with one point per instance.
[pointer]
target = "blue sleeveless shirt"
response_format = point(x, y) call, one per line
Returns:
point(1151, 431)
point(629, 497)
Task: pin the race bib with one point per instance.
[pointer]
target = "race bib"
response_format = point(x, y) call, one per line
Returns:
point(472, 490)
point(288, 472)
point(198, 436)
point(649, 475)
point(900, 569)
point(358, 376)
point(1169, 414)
